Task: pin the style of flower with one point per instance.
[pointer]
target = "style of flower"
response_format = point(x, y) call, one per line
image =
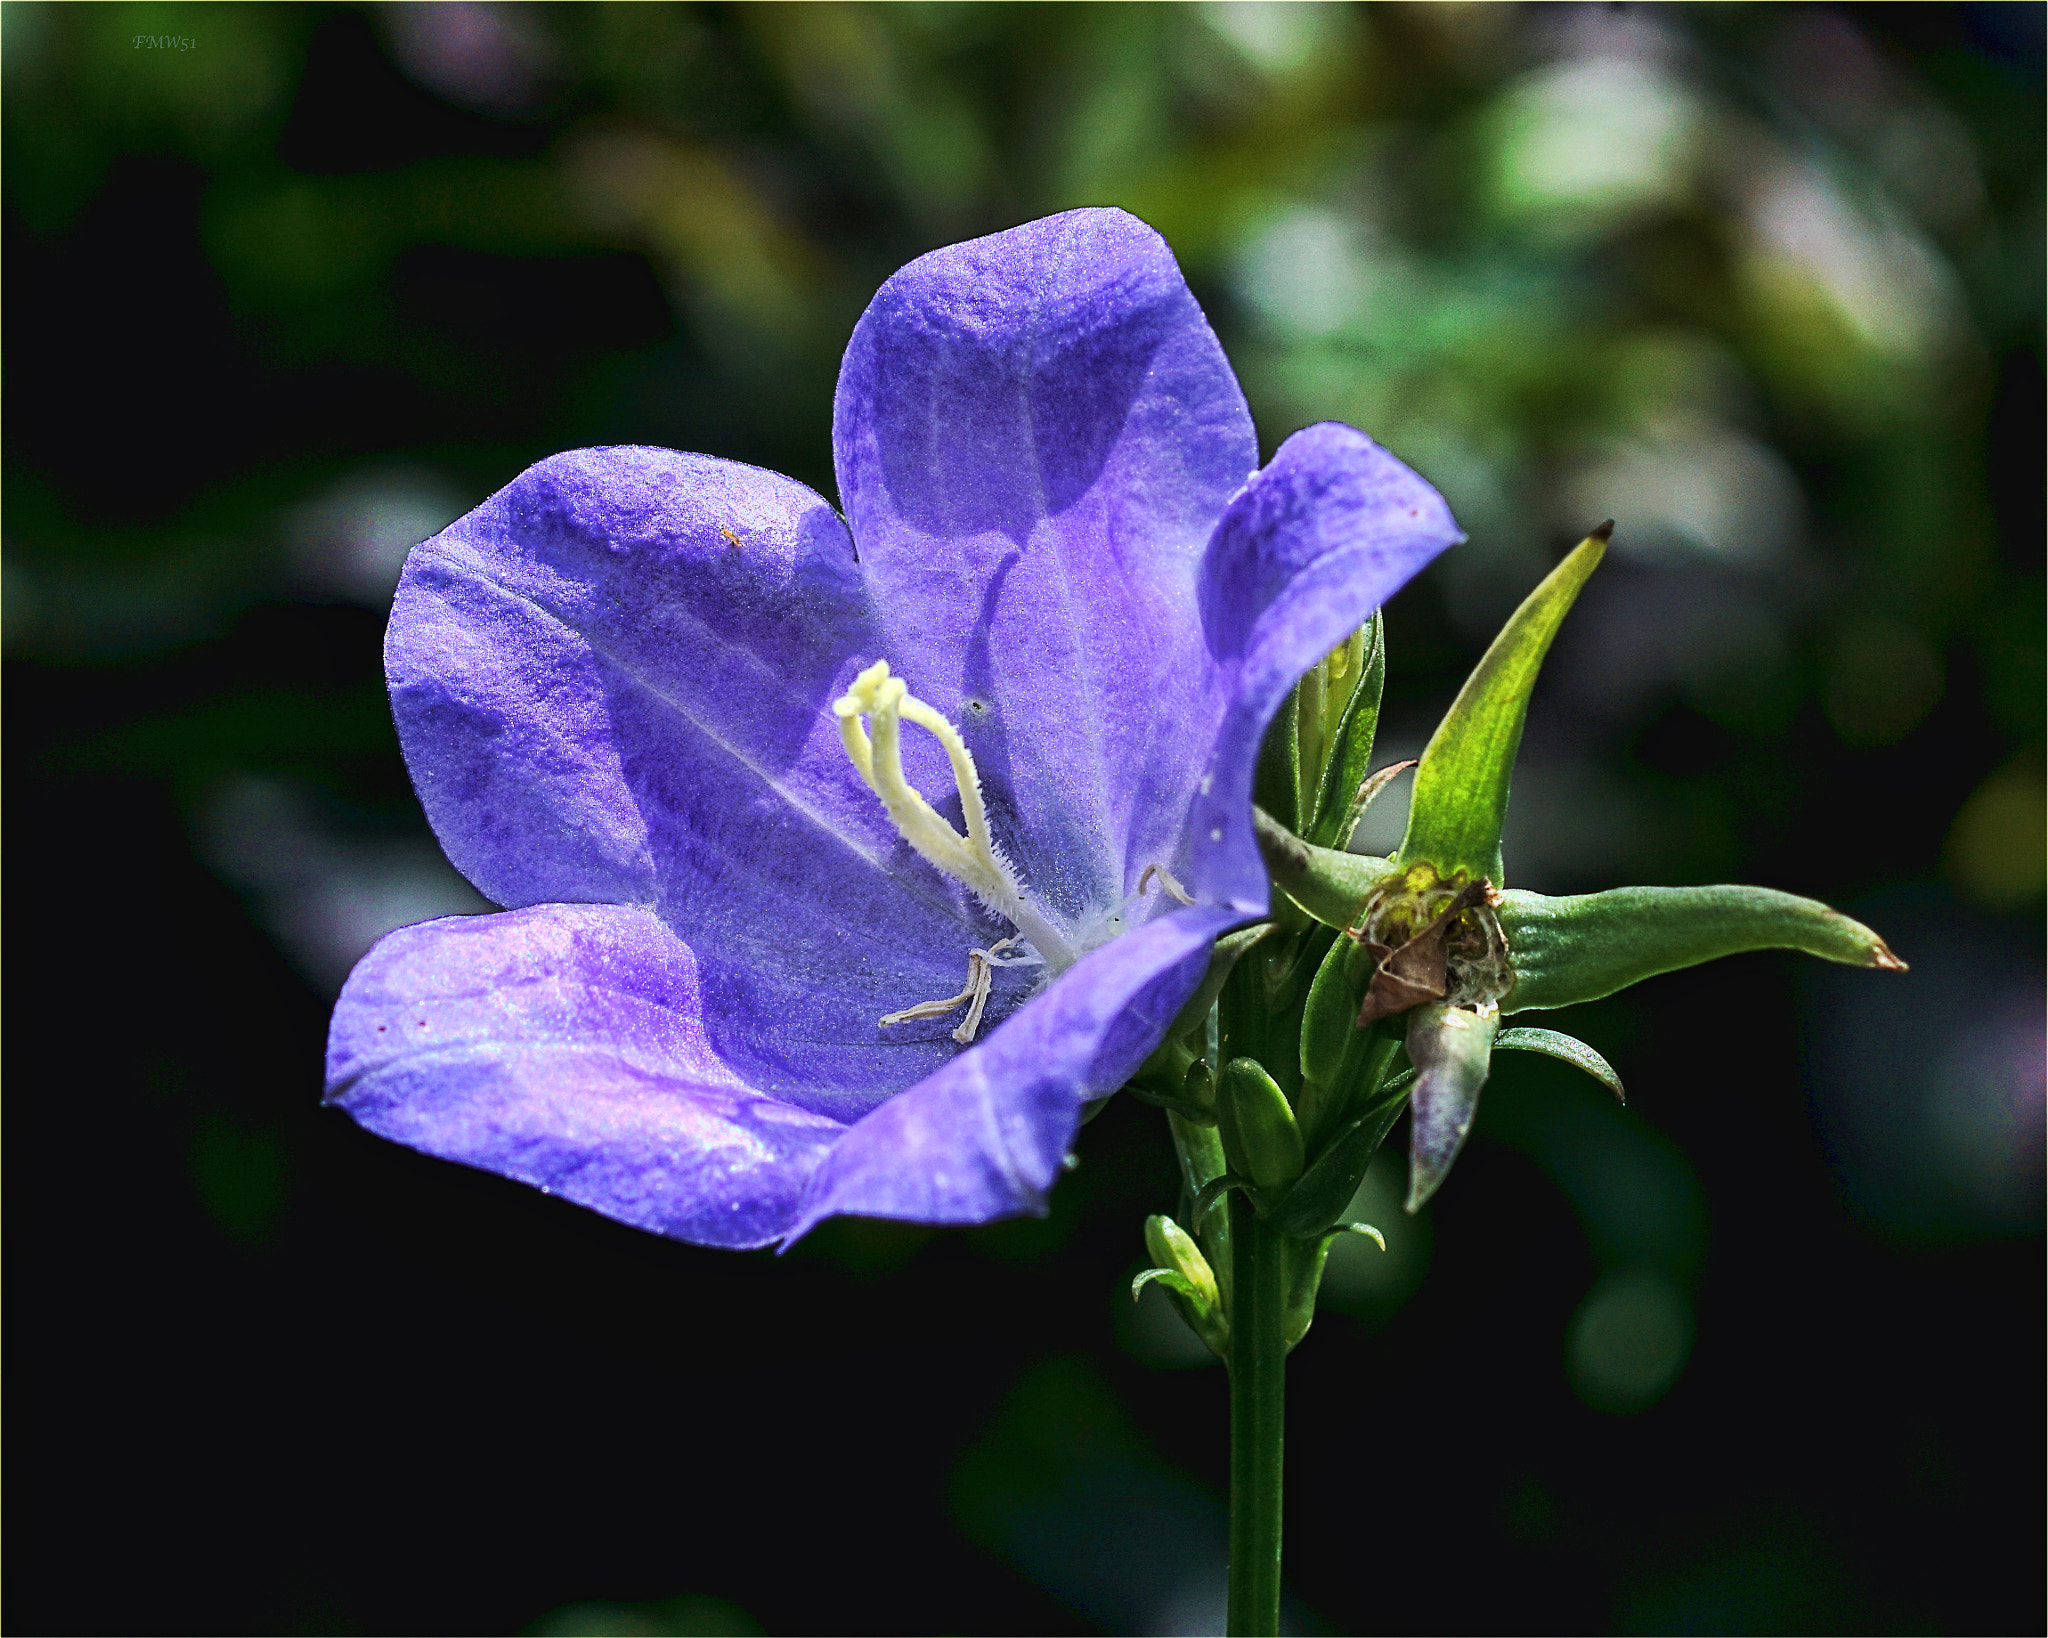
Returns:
point(654, 705)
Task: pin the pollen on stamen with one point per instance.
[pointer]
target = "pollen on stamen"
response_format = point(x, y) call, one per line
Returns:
point(981, 966)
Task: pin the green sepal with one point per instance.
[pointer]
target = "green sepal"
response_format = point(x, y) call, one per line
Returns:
point(1214, 1190)
point(1201, 1112)
point(1569, 950)
point(1369, 789)
point(1329, 1017)
point(1179, 1284)
point(1461, 788)
point(1260, 1139)
point(1331, 886)
point(1326, 1188)
point(1306, 1260)
point(1350, 729)
point(1565, 1049)
point(1315, 751)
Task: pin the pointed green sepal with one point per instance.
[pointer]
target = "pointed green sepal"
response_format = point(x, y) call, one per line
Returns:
point(1343, 695)
point(1569, 950)
point(1305, 1262)
point(1260, 1139)
point(1461, 788)
point(1329, 1017)
point(1452, 1049)
point(1326, 1188)
point(1331, 886)
point(1212, 1191)
point(1307, 1259)
point(1193, 1098)
point(1179, 1284)
point(1365, 1229)
point(1317, 748)
point(1369, 789)
point(1565, 1049)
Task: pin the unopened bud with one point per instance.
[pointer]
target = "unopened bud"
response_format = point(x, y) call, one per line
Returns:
point(1174, 1248)
point(1260, 1138)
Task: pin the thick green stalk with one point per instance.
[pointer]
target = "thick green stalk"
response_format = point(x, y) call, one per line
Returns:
point(1258, 1386)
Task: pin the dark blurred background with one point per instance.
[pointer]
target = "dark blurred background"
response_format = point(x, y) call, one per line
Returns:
point(288, 288)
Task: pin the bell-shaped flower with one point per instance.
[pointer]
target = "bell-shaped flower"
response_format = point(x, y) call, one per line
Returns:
point(845, 860)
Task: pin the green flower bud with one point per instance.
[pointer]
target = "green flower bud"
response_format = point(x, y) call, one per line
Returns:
point(1260, 1139)
point(1172, 1247)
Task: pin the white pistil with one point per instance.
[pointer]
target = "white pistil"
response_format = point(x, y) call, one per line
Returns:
point(971, 859)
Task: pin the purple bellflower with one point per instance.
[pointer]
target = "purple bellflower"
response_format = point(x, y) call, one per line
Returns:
point(766, 956)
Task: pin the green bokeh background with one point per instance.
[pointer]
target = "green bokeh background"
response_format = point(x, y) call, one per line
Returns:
point(290, 287)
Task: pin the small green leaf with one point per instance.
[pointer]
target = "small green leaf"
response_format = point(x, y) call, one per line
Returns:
point(1569, 950)
point(1275, 785)
point(1461, 789)
point(1305, 1279)
point(1565, 1049)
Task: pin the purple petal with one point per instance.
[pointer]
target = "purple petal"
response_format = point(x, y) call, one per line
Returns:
point(984, 1137)
point(566, 1046)
point(1325, 534)
point(1034, 434)
point(603, 698)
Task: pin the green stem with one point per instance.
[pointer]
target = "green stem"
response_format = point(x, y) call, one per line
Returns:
point(1258, 1387)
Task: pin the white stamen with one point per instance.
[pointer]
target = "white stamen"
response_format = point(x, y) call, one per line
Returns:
point(981, 965)
point(971, 859)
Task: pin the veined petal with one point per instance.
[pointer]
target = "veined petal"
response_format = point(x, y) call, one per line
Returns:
point(1325, 534)
point(567, 1046)
point(612, 684)
point(984, 1137)
point(1034, 434)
